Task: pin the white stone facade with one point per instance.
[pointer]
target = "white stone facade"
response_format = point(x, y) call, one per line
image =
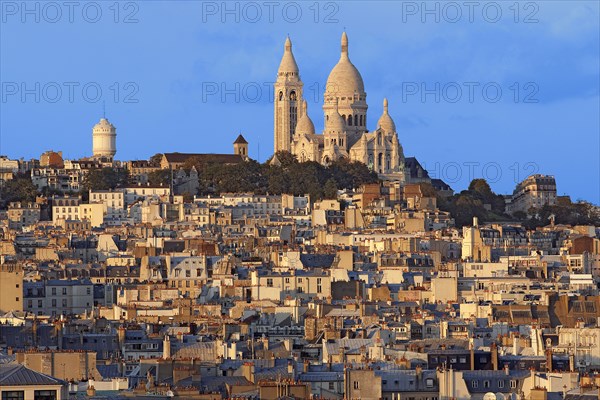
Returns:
point(345, 112)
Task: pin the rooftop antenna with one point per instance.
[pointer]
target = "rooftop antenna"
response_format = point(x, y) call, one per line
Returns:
point(258, 144)
point(104, 109)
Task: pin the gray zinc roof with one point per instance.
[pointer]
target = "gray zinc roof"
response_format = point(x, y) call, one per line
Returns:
point(19, 375)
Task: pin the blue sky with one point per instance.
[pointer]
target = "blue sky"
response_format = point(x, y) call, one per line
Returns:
point(496, 89)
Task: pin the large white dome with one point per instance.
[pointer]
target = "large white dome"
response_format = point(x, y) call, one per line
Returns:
point(344, 79)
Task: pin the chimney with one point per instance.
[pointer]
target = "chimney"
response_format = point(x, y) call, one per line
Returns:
point(35, 334)
point(472, 355)
point(166, 347)
point(121, 335)
point(548, 360)
point(571, 362)
point(506, 370)
point(419, 374)
point(494, 349)
point(248, 371)
point(305, 366)
point(475, 222)
point(538, 393)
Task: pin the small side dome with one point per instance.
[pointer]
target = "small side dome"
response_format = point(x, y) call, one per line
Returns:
point(305, 124)
point(335, 123)
point(385, 121)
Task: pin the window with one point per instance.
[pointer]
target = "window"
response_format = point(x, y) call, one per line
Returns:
point(500, 384)
point(269, 282)
point(355, 384)
point(331, 386)
point(474, 384)
point(486, 384)
point(513, 384)
point(53, 291)
point(429, 382)
point(88, 291)
point(64, 302)
point(64, 291)
point(53, 302)
point(13, 395)
point(44, 395)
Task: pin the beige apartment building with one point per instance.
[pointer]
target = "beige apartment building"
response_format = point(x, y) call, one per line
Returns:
point(23, 215)
point(534, 192)
point(11, 287)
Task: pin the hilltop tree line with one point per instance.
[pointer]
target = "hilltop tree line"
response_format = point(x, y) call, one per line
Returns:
point(477, 201)
point(480, 201)
point(286, 176)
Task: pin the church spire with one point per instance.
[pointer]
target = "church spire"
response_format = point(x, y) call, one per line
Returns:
point(288, 65)
point(344, 45)
point(288, 44)
point(287, 101)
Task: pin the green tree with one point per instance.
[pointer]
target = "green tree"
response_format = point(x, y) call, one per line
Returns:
point(20, 188)
point(105, 178)
point(161, 177)
point(155, 159)
point(330, 189)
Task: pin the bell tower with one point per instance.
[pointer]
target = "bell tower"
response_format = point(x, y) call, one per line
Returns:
point(287, 101)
